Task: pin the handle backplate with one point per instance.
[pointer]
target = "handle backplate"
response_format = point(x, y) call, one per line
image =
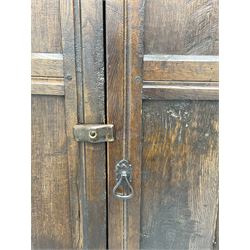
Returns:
point(123, 171)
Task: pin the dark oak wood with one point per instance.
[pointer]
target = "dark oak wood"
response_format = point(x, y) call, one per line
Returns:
point(180, 125)
point(74, 69)
point(47, 65)
point(124, 29)
point(90, 60)
point(181, 68)
point(180, 90)
point(179, 174)
point(55, 205)
point(51, 220)
point(115, 115)
point(76, 46)
point(182, 27)
point(67, 27)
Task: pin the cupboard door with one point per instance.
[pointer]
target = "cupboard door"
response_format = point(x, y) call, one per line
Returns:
point(68, 178)
point(160, 62)
point(179, 197)
point(165, 111)
point(55, 221)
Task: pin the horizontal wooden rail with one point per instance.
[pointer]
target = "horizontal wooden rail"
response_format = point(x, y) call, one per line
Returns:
point(169, 90)
point(181, 68)
point(47, 65)
point(47, 86)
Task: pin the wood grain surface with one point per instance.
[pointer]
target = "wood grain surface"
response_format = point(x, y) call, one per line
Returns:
point(181, 68)
point(45, 26)
point(69, 67)
point(51, 220)
point(176, 90)
point(91, 110)
point(179, 174)
point(124, 48)
point(183, 27)
point(88, 54)
point(47, 65)
point(47, 86)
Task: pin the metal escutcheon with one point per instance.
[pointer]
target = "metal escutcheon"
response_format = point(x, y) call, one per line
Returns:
point(123, 171)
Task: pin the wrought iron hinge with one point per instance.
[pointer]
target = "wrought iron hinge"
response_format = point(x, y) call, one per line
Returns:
point(94, 133)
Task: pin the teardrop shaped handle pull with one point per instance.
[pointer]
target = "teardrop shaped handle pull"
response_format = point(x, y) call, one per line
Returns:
point(126, 186)
point(124, 178)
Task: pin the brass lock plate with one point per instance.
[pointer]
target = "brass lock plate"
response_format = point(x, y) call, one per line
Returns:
point(94, 133)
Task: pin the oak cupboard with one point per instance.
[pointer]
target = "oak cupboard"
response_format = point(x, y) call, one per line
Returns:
point(149, 70)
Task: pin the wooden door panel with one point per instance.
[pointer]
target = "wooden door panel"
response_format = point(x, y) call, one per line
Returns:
point(68, 89)
point(183, 27)
point(179, 192)
point(179, 200)
point(45, 26)
point(51, 220)
point(168, 119)
point(55, 201)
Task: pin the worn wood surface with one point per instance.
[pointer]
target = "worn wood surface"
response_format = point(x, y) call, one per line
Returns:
point(70, 206)
point(115, 115)
point(183, 27)
point(180, 138)
point(45, 26)
point(179, 174)
point(55, 215)
point(47, 86)
point(124, 49)
point(51, 220)
point(168, 90)
point(90, 59)
point(68, 45)
point(47, 65)
point(74, 66)
point(181, 68)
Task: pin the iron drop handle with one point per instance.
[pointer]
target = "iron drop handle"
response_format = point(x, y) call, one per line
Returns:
point(124, 179)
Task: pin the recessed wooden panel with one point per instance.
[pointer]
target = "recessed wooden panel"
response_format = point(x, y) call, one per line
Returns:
point(50, 185)
point(179, 200)
point(182, 27)
point(45, 26)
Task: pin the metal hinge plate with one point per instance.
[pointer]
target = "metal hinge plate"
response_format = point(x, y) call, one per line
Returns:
point(94, 133)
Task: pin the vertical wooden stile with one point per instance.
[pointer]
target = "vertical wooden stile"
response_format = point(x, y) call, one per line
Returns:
point(124, 48)
point(93, 156)
point(67, 27)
